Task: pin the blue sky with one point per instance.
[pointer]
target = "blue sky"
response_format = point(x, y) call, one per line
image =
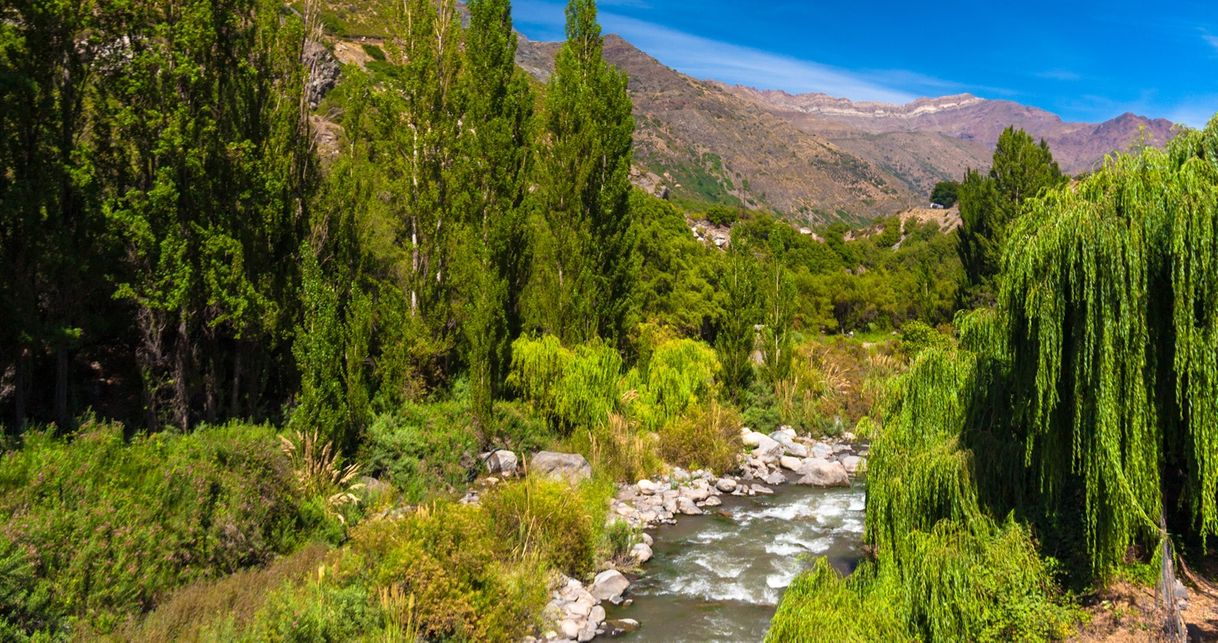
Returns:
point(1087, 61)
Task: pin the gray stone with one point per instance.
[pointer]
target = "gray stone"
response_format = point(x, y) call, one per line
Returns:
point(768, 448)
point(647, 487)
point(687, 507)
point(726, 485)
point(750, 438)
point(620, 626)
point(787, 440)
point(569, 628)
point(641, 552)
point(695, 493)
point(789, 462)
point(762, 489)
point(608, 586)
point(775, 478)
point(712, 501)
point(823, 473)
point(597, 616)
point(502, 461)
point(852, 463)
point(570, 467)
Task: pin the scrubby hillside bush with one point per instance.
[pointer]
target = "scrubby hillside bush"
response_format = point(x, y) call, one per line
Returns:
point(97, 527)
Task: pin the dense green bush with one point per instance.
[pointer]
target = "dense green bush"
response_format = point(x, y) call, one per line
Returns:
point(106, 527)
point(706, 437)
point(422, 448)
point(551, 521)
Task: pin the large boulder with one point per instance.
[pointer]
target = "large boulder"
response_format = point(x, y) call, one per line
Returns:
point(570, 467)
point(823, 473)
point(852, 463)
point(609, 586)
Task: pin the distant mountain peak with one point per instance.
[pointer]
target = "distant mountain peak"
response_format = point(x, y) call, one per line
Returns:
point(816, 157)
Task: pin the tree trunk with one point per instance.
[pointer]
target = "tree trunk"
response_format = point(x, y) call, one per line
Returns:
point(181, 392)
point(61, 387)
point(21, 397)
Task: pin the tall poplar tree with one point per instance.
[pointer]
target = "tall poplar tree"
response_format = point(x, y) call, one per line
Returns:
point(584, 262)
point(418, 116)
point(491, 240)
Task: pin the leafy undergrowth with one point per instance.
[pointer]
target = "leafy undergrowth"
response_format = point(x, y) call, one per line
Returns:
point(96, 528)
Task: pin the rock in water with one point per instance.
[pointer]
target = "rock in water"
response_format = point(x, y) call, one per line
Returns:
point(641, 552)
point(726, 485)
point(608, 586)
point(502, 461)
point(823, 473)
point(852, 463)
point(571, 467)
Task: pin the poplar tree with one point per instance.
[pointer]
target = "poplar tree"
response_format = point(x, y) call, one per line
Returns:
point(491, 241)
point(584, 263)
point(1022, 170)
point(418, 120)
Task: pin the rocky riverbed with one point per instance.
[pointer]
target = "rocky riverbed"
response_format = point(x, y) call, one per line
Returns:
point(578, 613)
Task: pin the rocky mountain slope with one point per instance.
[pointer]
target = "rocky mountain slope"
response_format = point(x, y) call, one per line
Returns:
point(817, 158)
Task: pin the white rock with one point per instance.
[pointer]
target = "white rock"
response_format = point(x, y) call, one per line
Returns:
point(750, 438)
point(502, 461)
point(762, 489)
point(641, 552)
point(597, 616)
point(571, 467)
point(775, 478)
point(580, 609)
point(687, 507)
point(852, 463)
point(823, 473)
point(569, 628)
point(647, 487)
point(609, 585)
point(726, 485)
point(648, 539)
point(695, 493)
point(587, 632)
point(787, 440)
point(768, 448)
point(789, 462)
point(712, 501)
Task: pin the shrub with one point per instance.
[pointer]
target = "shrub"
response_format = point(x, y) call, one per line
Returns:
point(374, 52)
point(573, 388)
point(550, 520)
point(420, 448)
point(444, 573)
point(618, 449)
point(224, 604)
point(109, 526)
point(709, 437)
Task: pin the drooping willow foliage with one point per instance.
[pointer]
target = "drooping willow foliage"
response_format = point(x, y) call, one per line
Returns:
point(1077, 419)
point(1110, 295)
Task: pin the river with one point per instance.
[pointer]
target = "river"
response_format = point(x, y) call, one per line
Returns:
point(719, 577)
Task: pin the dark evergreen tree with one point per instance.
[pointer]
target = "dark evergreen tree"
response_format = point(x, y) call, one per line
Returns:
point(1022, 170)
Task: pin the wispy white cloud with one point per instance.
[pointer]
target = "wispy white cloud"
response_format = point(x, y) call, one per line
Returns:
point(1211, 39)
point(726, 62)
point(1194, 112)
point(1064, 75)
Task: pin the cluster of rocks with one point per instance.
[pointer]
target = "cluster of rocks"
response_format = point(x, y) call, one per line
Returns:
point(818, 463)
point(576, 610)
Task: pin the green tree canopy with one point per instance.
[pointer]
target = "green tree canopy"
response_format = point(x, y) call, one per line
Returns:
point(1022, 170)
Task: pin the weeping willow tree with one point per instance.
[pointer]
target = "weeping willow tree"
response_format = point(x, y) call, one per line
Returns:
point(1079, 419)
point(1110, 295)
